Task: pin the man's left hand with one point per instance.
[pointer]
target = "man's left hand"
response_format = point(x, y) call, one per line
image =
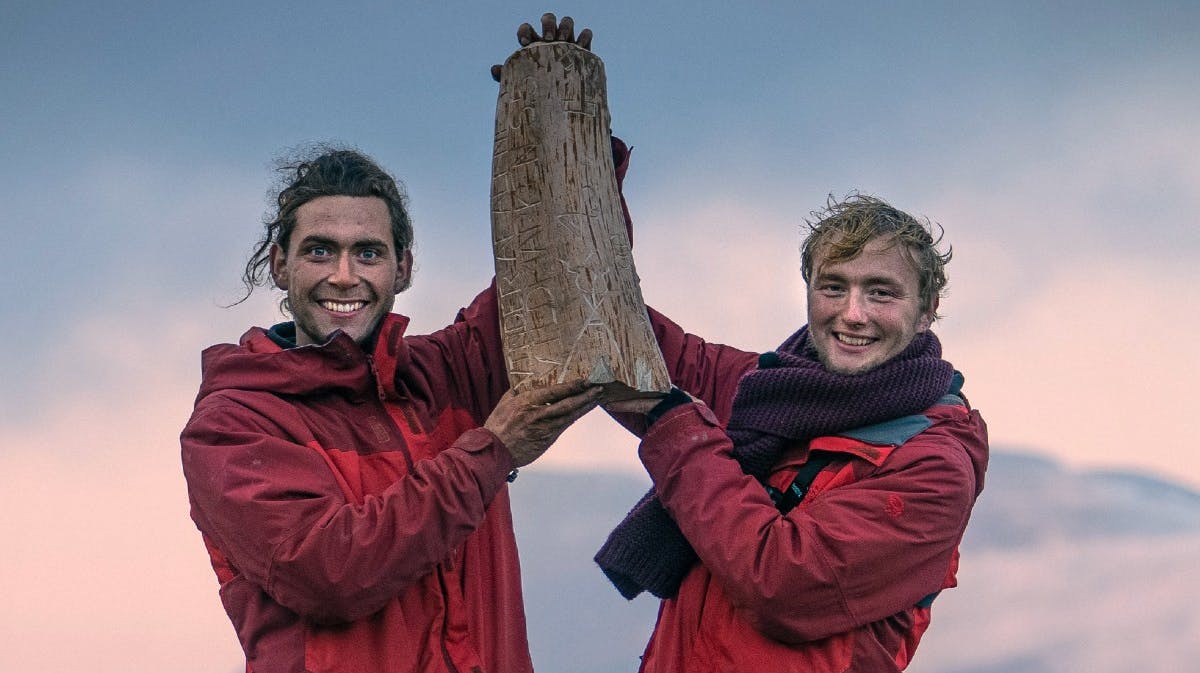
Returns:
point(553, 30)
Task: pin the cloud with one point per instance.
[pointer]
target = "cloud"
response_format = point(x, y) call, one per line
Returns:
point(104, 550)
point(1112, 166)
point(723, 268)
point(1035, 610)
point(1090, 366)
point(123, 240)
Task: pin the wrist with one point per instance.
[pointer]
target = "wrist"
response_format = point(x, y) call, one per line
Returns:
point(675, 398)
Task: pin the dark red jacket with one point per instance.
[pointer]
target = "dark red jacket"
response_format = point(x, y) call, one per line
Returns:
point(355, 512)
point(843, 582)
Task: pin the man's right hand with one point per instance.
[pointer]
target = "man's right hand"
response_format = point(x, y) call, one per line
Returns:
point(529, 422)
point(563, 32)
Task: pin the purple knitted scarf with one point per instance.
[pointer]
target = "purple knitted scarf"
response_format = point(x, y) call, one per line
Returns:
point(791, 398)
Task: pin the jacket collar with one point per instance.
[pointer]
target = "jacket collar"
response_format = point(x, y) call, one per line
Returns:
point(260, 362)
point(874, 443)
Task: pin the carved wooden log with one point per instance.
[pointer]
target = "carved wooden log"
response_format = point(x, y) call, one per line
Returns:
point(570, 304)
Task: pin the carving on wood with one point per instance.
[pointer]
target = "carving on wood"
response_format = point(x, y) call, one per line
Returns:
point(570, 304)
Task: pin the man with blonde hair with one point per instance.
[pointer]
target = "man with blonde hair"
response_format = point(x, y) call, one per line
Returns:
point(808, 503)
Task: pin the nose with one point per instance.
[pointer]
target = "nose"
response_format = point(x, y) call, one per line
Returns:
point(854, 311)
point(344, 274)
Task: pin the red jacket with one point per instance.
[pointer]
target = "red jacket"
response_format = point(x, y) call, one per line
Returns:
point(355, 513)
point(844, 581)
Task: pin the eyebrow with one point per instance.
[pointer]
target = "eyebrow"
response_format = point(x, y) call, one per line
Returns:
point(360, 243)
point(883, 280)
point(869, 280)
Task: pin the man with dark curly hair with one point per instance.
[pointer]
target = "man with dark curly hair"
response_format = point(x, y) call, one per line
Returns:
point(349, 479)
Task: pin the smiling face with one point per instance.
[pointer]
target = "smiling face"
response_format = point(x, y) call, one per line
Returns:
point(341, 270)
point(864, 311)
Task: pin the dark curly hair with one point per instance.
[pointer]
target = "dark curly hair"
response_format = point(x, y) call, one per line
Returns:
point(324, 171)
point(842, 229)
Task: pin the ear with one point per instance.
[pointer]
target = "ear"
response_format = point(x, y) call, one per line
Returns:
point(279, 272)
point(403, 272)
point(927, 317)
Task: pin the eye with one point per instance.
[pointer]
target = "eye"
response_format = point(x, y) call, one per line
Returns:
point(883, 294)
point(370, 254)
point(831, 289)
point(318, 251)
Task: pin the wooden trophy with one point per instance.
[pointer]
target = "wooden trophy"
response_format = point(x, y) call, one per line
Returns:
point(570, 304)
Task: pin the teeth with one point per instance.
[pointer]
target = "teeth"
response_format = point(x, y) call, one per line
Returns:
point(343, 307)
point(853, 341)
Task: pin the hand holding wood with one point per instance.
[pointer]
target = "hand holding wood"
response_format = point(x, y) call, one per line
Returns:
point(564, 31)
point(527, 423)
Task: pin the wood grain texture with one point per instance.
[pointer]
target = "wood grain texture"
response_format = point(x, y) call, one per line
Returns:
point(570, 302)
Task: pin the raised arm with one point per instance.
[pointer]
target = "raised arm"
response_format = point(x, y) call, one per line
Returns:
point(708, 371)
point(264, 494)
point(849, 556)
point(278, 513)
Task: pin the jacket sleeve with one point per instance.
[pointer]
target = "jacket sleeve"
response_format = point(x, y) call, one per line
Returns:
point(708, 371)
point(466, 358)
point(855, 554)
point(276, 511)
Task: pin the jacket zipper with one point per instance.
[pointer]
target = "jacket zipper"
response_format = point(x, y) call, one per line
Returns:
point(404, 411)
